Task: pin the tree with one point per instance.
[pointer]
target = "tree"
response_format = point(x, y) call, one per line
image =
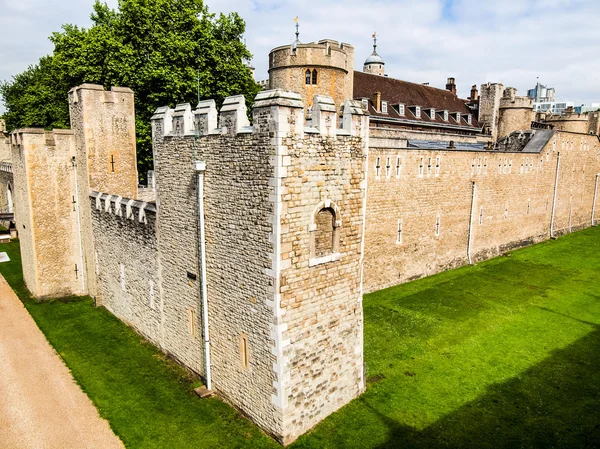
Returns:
point(158, 48)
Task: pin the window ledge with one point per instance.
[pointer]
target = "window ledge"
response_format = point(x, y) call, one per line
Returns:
point(323, 259)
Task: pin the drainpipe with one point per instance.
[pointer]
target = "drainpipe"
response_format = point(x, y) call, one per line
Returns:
point(555, 194)
point(469, 243)
point(79, 227)
point(595, 196)
point(200, 167)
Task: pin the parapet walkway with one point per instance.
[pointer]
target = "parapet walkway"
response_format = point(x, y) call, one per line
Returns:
point(41, 406)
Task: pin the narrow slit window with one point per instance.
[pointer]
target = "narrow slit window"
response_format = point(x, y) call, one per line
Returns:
point(377, 167)
point(437, 166)
point(388, 168)
point(192, 322)
point(481, 215)
point(399, 236)
point(421, 167)
point(398, 167)
point(528, 206)
point(244, 351)
point(429, 167)
point(437, 226)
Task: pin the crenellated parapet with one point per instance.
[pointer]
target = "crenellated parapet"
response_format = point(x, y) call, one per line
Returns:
point(232, 119)
point(126, 208)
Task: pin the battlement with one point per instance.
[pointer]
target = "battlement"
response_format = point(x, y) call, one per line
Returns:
point(232, 119)
point(326, 53)
point(19, 137)
point(510, 100)
point(126, 208)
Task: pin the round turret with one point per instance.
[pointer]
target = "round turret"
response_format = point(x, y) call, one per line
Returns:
point(323, 68)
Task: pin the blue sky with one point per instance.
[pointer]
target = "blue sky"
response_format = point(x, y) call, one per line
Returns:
point(475, 41)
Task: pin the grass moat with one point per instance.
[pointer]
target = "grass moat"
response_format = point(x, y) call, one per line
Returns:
point(502, 354)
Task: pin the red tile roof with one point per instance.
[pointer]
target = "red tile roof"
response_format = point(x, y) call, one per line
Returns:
point(411, 94)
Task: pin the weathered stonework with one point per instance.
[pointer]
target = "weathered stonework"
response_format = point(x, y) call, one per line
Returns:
point(333, 61)
point(515, 113)
point(127, 261)
point(263, 186)
point(103, 123)
point(514, 193)
point(46, 213)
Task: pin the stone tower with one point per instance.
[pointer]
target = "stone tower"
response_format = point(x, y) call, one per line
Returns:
point(324, 68)
point(103, 124)
point(374, 64)
point(515, 113)
point(46, 212)
point(489, 108)
point(283, 207)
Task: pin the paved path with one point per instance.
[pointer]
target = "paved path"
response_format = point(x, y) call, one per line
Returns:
point(41, 406)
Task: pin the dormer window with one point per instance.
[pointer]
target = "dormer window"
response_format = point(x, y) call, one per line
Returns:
point(384, 107)
point(365, 103)
point(432, 113)
point(446, 116)
point(418, 111)
point(457, 117)
point(469, 119)
point(401, 109)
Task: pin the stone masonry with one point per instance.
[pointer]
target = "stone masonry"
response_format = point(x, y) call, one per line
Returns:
point(103, 123)
point(298, 316)
point(45, 210)
point(420, 209)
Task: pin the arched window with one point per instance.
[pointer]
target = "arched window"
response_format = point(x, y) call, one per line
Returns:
point(307, 75)
point(314, 77)
point(324, 233)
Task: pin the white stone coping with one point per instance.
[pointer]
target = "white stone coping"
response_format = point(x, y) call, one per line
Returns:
point(142, 206)
point(333, 257)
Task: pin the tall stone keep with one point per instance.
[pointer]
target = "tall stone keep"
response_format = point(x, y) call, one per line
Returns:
point(284, 211)
point(103, 124)
point(323, 68)
point(46, 211)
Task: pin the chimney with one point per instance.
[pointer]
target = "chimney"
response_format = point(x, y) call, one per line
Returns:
point(451, 85)
point(376, 99)
point(474, 93)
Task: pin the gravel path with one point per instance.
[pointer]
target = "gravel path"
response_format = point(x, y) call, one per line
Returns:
point(41, 406)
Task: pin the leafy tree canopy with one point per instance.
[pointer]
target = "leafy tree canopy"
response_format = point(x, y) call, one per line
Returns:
point(158, 48)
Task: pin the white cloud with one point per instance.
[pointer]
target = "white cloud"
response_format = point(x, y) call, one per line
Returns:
point(509, 41)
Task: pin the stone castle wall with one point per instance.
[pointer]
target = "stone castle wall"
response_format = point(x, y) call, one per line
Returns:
point(267, 291)
point(126, 261)
point(513, 202)
point(45, 211)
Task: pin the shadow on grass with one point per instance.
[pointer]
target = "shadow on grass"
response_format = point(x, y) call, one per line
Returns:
point(553, 404)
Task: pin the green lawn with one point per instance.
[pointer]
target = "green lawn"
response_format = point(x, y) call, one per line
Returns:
point(502, 354)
